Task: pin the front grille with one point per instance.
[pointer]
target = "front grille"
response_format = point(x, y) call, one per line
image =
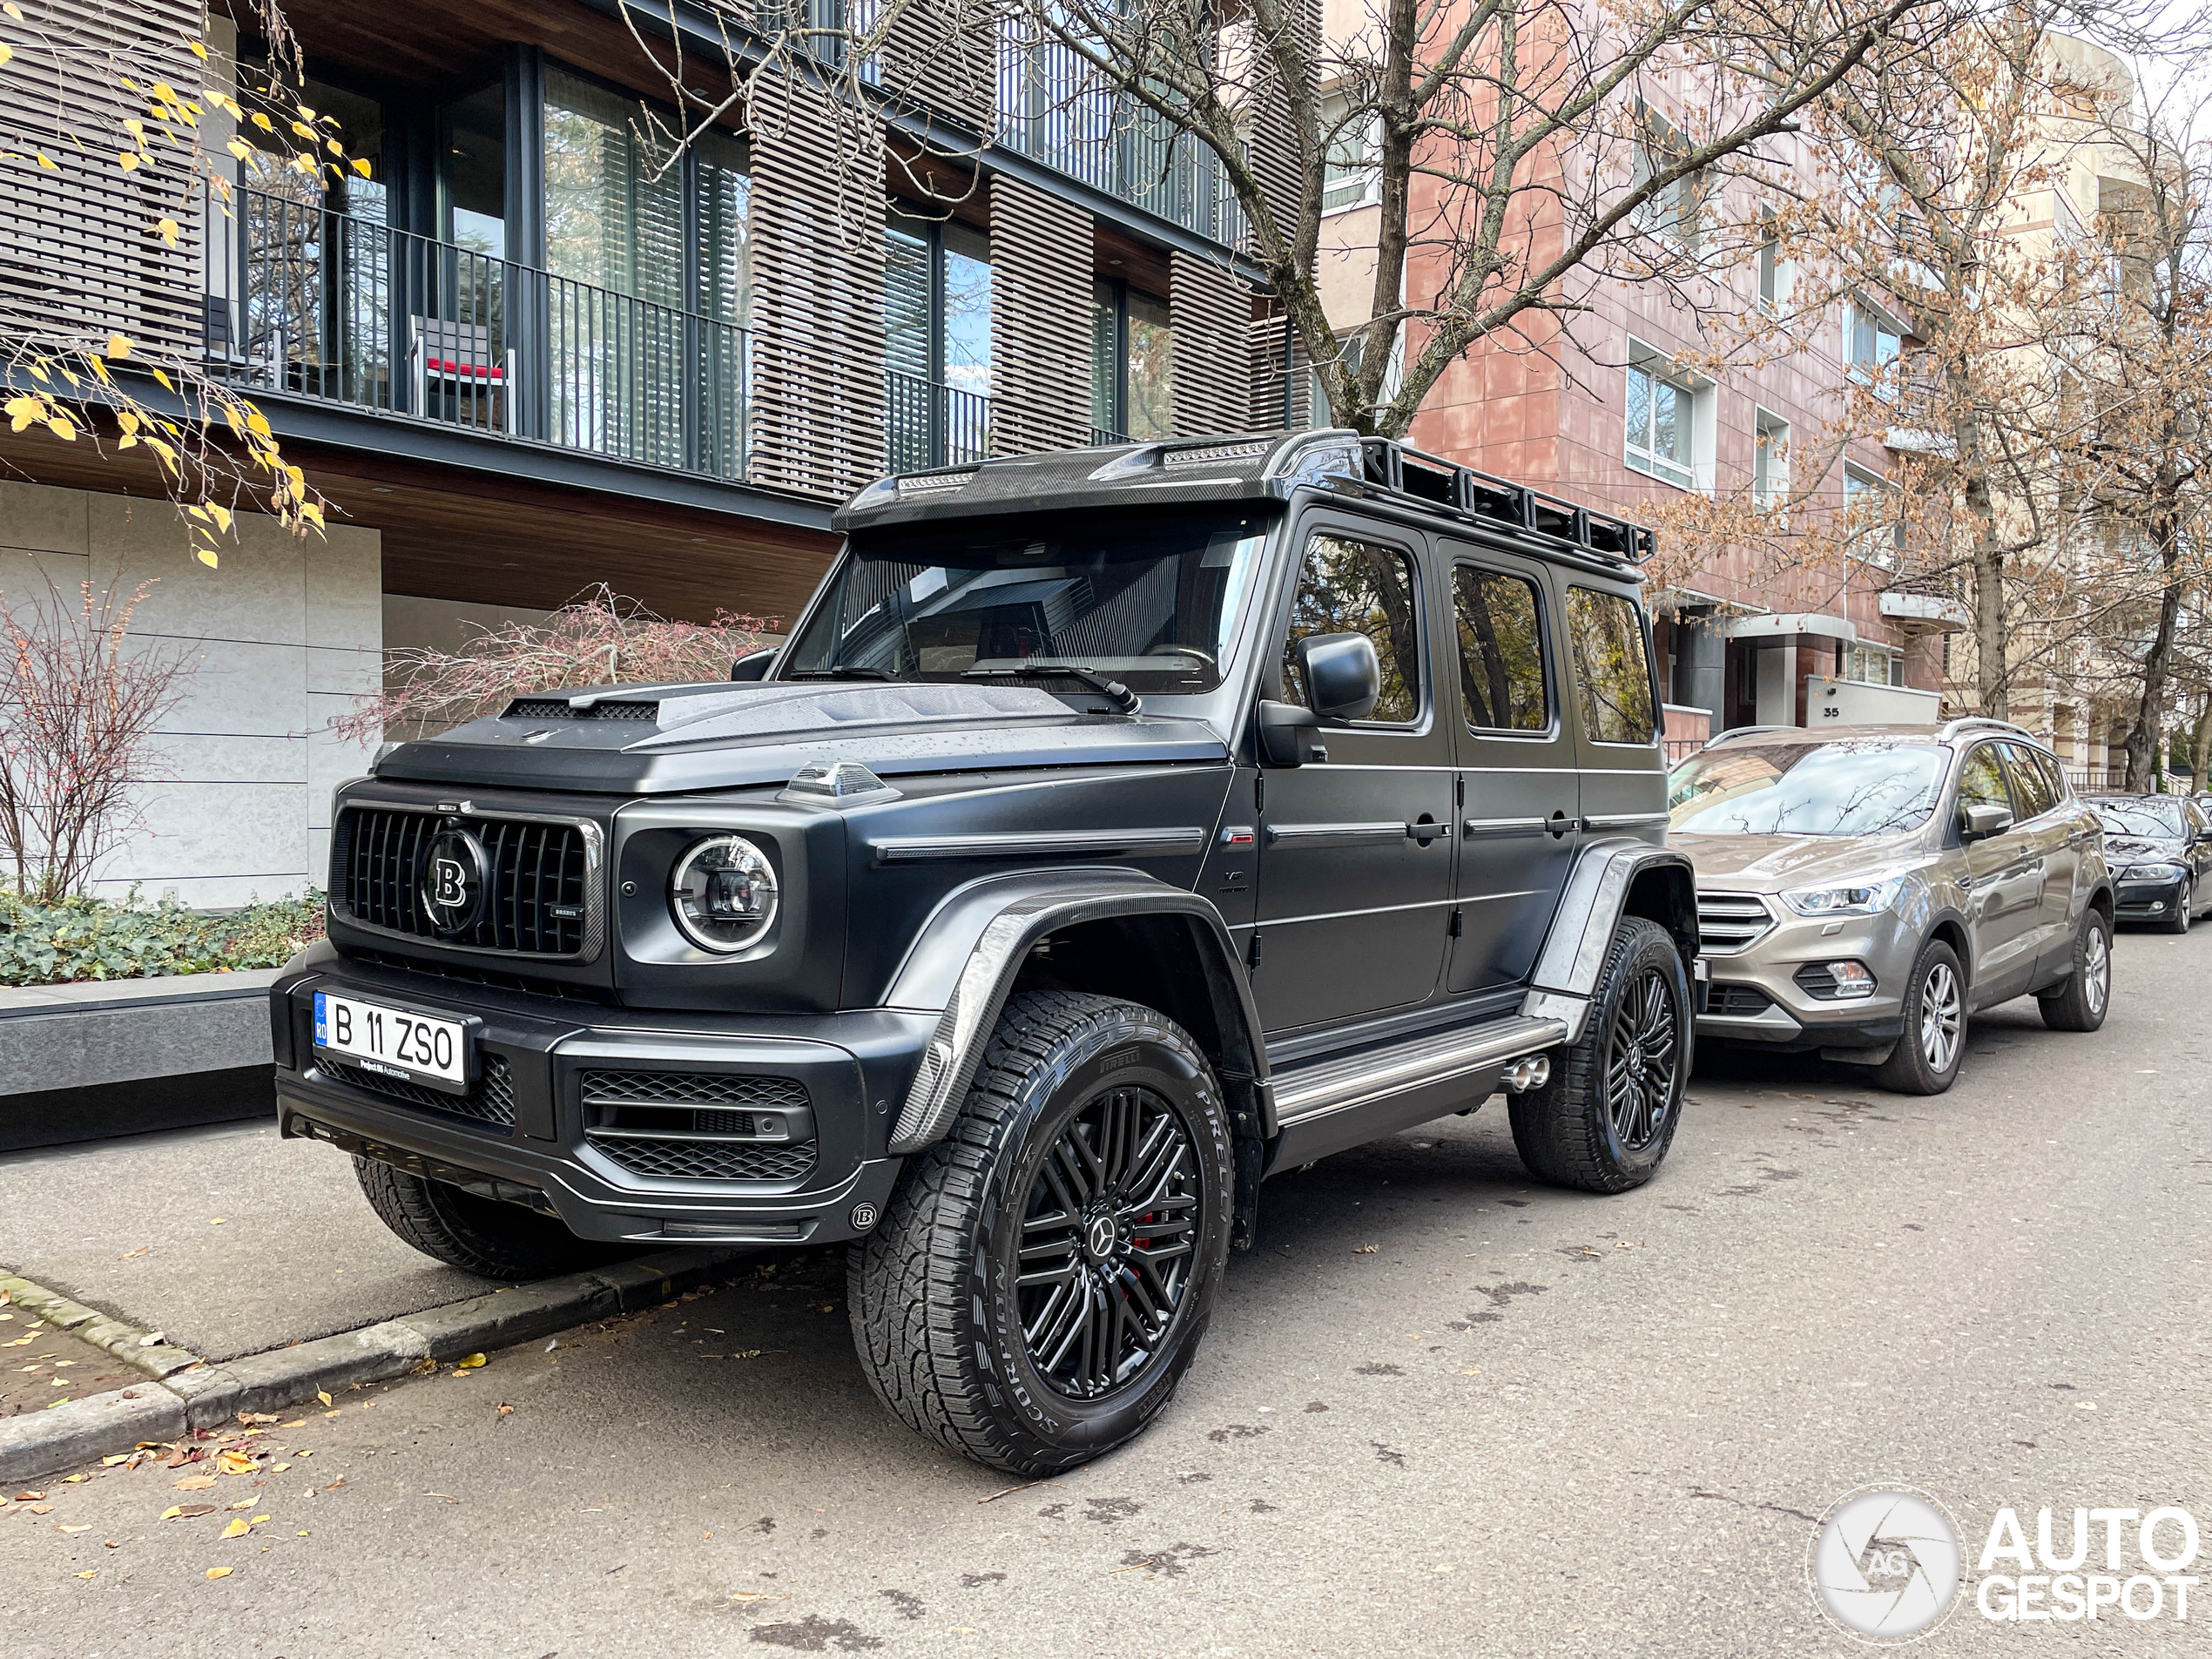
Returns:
point(686, 1160)
point(558, 708)
point(1727, 922)
point(1737, 1002)
point(491, 1099)
point(457, 975)
point(691, 1088)
point(539, 903)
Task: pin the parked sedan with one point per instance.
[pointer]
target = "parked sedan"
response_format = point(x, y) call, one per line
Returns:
point(2160, 848)
point(1861, 891)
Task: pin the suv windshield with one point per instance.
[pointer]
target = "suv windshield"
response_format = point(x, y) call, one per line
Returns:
point(1843, 788)
point(2147, 818)
point(1149, 597)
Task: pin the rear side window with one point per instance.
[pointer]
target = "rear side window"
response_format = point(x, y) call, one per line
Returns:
point(2053, 774)
point(1612, 674)
point(1501, 651)
point(1981, 781)
point(1357, 587)
point(2030, 787)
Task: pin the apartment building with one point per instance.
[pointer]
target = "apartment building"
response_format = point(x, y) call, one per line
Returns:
point(532, 349)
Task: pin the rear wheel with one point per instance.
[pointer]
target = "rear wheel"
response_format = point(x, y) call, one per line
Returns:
point(2080, 1003)
point(1925, 1059)
point(1043, 1275)
point(1605, 1118)
point(478, 1235)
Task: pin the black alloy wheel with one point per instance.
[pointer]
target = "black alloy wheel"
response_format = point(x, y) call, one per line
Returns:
point(1106, 1242)
point(1645, 1055)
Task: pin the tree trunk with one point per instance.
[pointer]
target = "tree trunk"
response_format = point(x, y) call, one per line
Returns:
point(2143, 735)
point(1992, 679)
point(2200, 745)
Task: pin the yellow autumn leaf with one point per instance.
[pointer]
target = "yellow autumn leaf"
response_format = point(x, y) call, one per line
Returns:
point(361, 165)
point(167, 230)
point(470, 1363)
point(239, 148)
point(237, 1528)
point(221, 516)
point(61, 426)
point(21, 412)
point(129, 423)
point(219, 1572)
point(118, 347)
point(13, 10)
point(205, 555)
point(172, 1511)
point(47, 162)
point(197, 50)
point(6, 52)
point(167, 385)
point(234, 1462)
point(128, 162)
point(258, 423)
point(88, 1574)
point(324, 1398)
point(263, 122)
point(166, 92)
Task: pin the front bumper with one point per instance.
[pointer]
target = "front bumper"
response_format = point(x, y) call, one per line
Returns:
point(2146, 901)
point(1757, 996)
point(531, 1132)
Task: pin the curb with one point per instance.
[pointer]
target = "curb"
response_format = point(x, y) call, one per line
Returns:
point(182, 1393)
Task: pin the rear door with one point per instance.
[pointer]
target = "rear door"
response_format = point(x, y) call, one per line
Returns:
point(1616, 705)
point(2048, 828)
point(1517, 781)
point(2004, 876)
point(1355, 857)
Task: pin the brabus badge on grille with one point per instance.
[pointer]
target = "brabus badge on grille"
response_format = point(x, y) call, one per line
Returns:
point(455, 875)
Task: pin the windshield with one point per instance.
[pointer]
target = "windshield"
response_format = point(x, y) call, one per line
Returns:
point(2151, 817)
point(1149, 597)
point(1867, 788)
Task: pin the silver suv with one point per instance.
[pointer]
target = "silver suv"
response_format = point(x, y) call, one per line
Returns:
point(1862, 890)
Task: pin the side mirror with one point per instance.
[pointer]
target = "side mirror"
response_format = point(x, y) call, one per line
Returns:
point(1286, 733)
point(754, 664)
point(1983, 819)
point(1343, 675)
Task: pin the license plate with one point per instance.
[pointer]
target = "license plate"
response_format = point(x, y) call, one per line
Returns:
point(418, 1048)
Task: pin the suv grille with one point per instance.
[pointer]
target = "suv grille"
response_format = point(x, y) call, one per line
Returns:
point(1737, 1002)
point(1727, 922)
point(695, 1160)
point(539, 904)
point(691, 1088)
point(491, 1099)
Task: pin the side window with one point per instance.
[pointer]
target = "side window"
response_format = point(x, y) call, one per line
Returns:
point(1357, 587)
point(1981, 781)
point(1501, 651)
point(2052, 775)
point(2031, 789)
point(1612, 674)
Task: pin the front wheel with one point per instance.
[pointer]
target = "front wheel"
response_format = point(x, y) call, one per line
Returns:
point(1043, 1275)
point(1605, 1118)
point(478, 1235)
point(2184, 910)
point(2080, 1003)
point(1925, 1059)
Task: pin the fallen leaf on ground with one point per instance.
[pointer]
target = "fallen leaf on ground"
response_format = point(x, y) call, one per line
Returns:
point(196, 1483)
point(258, 1520)
point(506, 1410)
point(237, 1528)
point(243, 1503)
point(231, 1461)
point(279, 1468)
point(152, 1338)
point(114, 1543)
point(471, 1363)
point(1367, 1249)
point(40, 1510)
point(297, 1422)
point(218, 1221)
point(219, 1572)
point(87, 1527)
point(250, 1417)
point(120, 1457)
point(29, 1497)
point(321, 1396)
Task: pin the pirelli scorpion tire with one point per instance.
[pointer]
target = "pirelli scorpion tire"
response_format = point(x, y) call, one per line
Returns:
point(1043, 1276)
point(479, 1235)
point(1605, 1118)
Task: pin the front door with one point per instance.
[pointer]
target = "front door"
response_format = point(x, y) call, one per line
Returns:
point(1355, 858)
point(2005, 873)
point(1518, 808)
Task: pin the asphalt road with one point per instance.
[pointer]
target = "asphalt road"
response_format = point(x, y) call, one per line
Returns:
point(1442, 1411)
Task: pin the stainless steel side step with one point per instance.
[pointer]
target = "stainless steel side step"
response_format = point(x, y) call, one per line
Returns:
point(1377, 1074)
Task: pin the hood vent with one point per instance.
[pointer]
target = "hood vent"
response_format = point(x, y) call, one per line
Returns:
point(559, 708)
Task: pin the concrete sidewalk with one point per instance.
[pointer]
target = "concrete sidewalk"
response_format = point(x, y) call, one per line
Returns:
point(239, 1271)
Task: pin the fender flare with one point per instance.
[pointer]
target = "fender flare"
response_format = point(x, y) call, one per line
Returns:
point(963, 962)
point(1590, 908)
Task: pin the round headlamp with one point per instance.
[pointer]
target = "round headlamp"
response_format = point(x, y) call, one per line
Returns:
point(723, 894)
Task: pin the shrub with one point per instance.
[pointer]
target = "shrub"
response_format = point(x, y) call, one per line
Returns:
point(82, 938)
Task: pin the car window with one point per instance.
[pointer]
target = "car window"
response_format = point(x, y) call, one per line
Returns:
point(1501, 651)
point(2030, 787)
point(2148, 817)
point(1981, 781)
point(1845, 787)
point(2054, 774)
point(1612, 674)
point(1357, 587)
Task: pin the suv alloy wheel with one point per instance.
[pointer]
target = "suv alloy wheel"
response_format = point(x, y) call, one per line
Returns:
point(2079, 1003)
point(1925, 1059)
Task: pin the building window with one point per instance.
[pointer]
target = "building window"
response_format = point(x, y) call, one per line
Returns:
point(1871, 338)
point(1775, 274)
point(1869, 501)
point(1663, 418)
point(1874, 665)
point(937, 342)
point(1770, 462)
point(1675, 211)
point(1352, 169)
point(1351, 345)
point(1132, 364)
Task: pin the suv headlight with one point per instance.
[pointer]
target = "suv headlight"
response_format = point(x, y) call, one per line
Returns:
point(1867, 900)
point(723, 894)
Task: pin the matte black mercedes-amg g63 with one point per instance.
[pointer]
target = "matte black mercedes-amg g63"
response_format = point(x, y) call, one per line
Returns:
point(1116, 828)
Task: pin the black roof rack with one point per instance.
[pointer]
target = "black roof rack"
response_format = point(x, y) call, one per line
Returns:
point(1386, 463)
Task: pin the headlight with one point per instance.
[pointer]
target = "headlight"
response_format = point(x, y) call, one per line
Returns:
point(1869, 900)
point(723, 894)
point(2154, 872)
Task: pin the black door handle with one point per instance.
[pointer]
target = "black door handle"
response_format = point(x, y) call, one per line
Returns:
point(1559, 823)
point(1425, 829)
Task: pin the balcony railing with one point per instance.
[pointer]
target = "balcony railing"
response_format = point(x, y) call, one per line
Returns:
point(930, 424)
point(326, 305)
point(1052, 109)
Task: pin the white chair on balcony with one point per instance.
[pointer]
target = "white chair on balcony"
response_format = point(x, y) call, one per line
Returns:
point(458, 355)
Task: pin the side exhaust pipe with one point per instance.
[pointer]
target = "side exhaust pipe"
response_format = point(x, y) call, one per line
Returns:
point(1524, 1074)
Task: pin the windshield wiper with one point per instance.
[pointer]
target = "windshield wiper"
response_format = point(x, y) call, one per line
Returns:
point(1125, 700)
point(838, 674)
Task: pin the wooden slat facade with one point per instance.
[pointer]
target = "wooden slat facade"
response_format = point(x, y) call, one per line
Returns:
point(1041, 265)
point(77, 255)
point(1212, 310)
point(1282, 379)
